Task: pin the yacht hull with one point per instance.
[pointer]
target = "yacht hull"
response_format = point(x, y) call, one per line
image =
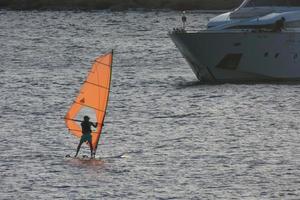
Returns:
point(225, 56)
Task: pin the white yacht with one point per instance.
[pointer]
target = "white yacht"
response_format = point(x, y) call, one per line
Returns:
point(258, 41)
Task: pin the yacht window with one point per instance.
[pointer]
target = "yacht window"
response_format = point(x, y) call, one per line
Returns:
point(265, 3)
point(295, 56)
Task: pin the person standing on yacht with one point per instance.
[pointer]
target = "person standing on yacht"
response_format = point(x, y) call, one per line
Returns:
point(279, 25)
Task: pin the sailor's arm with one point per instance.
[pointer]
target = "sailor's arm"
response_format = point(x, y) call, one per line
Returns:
point(94, 124)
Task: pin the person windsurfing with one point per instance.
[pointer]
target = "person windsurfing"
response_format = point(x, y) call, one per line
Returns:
point(86, 134)
point(93, 95)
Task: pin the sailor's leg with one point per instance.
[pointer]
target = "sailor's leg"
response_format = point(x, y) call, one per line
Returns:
point(91, 148)
point(78, 148)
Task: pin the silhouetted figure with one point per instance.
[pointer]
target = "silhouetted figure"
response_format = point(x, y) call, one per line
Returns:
point(279, 25)
point(183, 18)
point(86, 134)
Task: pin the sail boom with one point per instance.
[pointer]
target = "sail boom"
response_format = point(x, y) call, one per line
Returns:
point(76, 120)
point(79, 130)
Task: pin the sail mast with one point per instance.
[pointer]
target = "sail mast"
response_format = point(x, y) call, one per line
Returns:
point(100, 129)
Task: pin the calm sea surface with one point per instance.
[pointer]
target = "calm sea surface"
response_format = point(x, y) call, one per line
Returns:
point(179, 139)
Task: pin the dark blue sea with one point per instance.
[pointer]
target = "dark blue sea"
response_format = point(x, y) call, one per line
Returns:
point(166, 136)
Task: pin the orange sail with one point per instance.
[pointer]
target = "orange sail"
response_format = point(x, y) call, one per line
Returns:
point(92, 99)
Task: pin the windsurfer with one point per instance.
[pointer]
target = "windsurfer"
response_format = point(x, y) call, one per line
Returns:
point(86, 134)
